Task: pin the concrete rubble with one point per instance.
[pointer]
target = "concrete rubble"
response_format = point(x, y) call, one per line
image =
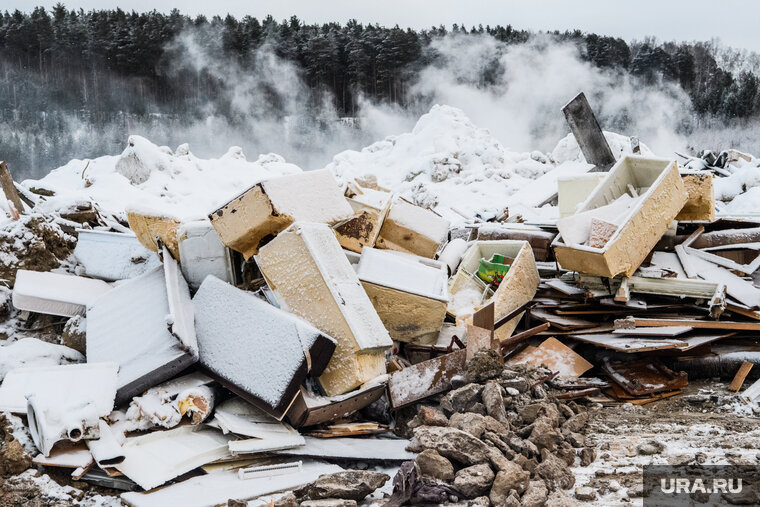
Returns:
point(318, 342)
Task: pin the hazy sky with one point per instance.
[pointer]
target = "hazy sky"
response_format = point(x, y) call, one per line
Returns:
point(734, 22)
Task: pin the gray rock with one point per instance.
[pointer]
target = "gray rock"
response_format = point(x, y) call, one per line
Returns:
point(514, 478)
point(588, 456)
point(747, 496)
point(559, 498)
point(494, 402)
point(650, 447)
point(585, 493)
point(451, 443)
point(430, 416)
point(519, 384)
point(434, 465)
point(536, 495)
point(544, 435)
point(511, 391)
point(576, 439)
point(497, 441)
point(556, 473)
point(473, 424)
point(74, 334)
point(346, 485)
point(288, 500)
point(636, 491)
point(460, 400)
point(576, 423)
point(474, 481)
point(481, 501)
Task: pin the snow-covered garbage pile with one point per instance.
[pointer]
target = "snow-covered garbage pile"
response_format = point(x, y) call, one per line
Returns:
point(416, 322)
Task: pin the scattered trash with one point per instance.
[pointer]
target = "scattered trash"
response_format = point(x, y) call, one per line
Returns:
point(236, 355)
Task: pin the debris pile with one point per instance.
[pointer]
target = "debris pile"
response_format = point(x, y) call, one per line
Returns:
point(316, 338)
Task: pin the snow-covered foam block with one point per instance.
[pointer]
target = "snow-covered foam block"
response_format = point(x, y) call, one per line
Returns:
point(311, 277)
point(55, 294)
point(145, 325)
point(257, 351)
point(113, 256)
point(370, 208)
point(412, 229)
point(269, 207)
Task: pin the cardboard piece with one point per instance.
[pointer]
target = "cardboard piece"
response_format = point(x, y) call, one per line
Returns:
point(203, 254)
point(700, 205)
point(259, 352)
point(55, 294)
point(412, 229)
point(662, 195)
point(146, 326)
point(370, 208)
point(113, 256)
point(556, 356)
point(408, 292)
point(246, 222)
point(311, 277)
point(148, 227)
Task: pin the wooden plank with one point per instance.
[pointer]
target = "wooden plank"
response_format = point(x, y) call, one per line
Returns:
point(702, 339)
point(751, 392)
point(623, 294)
point(752, 314)
point(580, 117)
point(654, 331)
point(565, 288)
point(747, 269)
point(686, 263)
point(484, 318)
point(741, 375)
point(693, 236)
point(9, 188)
point(519, 337)
point(562, 322)
point(478, 339)
point(556, 356)
point(696, 324)
point(741, 290)
point(628, 345)
point(425, 379)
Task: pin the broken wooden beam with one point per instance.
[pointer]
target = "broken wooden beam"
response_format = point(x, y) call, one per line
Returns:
point(740, 376)
point(588, 133)
point(634, 322)
point(9, 187)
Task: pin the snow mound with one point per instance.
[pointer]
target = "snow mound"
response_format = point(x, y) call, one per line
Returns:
point(154, 177)
point(567, 150)
point(445, 162)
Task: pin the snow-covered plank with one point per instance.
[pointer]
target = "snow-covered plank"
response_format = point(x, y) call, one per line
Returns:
point(386, 449)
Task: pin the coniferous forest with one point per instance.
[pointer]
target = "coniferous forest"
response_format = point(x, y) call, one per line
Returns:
point(66, 74)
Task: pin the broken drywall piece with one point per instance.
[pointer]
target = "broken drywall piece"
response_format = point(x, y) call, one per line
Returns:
point(219, 487)
point(62, 402)
point(55, 294)
point(409, 293)
point(556, 356)
point(661, 196)
point(74, 456)
point(412, 229)
point(202, 254)
point(743, 291)
point(311, 277)
point(264, 432)
point(160, 405)
point(264, 210)
point(112, 256)
point(370, 208)
point(254, 349)
point(372, 448)
point(146, 326)
point(149, 226)
point(155, 458)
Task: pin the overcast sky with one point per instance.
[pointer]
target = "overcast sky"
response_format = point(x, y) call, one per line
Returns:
point(734, 22)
